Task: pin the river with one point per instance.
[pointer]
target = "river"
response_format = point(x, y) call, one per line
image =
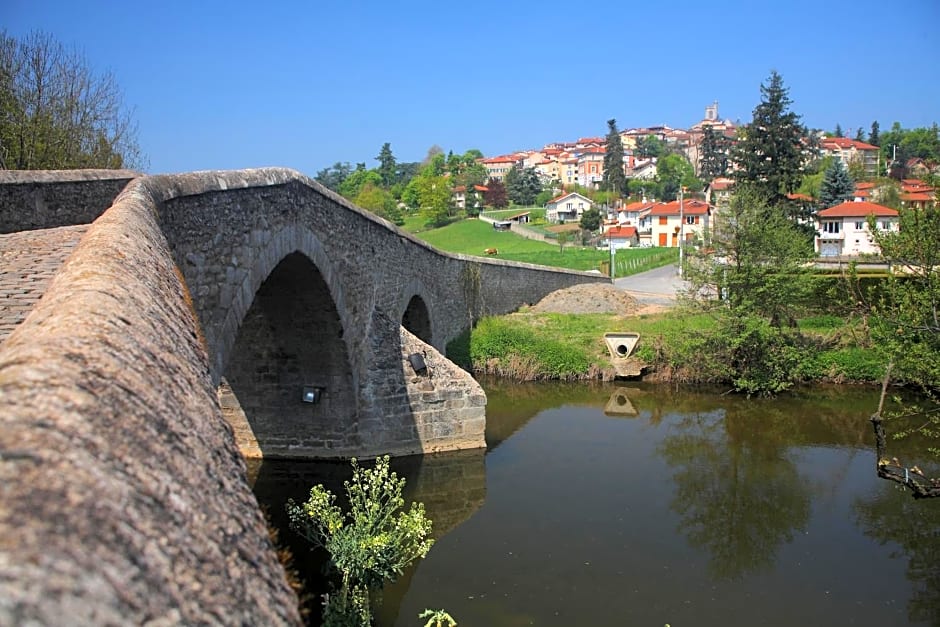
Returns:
point(647, 505)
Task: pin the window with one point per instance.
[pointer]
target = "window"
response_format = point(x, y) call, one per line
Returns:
point(663, 219)
point(691, 219)
point(859, 226)
point(832, 227)
point(885, 226)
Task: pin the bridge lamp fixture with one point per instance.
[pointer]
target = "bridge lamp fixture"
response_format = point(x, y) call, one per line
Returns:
point(312, 394)
point(417, 363)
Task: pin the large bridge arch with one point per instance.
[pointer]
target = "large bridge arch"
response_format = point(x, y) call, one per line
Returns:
point(288, 381)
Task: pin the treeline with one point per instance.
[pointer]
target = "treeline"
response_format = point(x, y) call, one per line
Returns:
point(56, 113)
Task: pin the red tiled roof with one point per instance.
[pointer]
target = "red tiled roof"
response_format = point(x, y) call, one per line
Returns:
point(857, 210)
point(845, 143)
point(637, 206)
point(722, 184)
point(501, 159)
point(621, 232)
point(918, 197)
point(864, 185)
point(689, 207)
point(481, 188)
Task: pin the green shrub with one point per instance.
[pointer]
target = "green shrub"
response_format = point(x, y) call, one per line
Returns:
point(371, 543)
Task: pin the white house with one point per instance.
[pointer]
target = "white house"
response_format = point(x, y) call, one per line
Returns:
point(567, 207)
point(842, 231)
point(623, 236)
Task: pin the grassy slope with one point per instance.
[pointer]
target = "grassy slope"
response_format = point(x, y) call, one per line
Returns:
point(472, 237)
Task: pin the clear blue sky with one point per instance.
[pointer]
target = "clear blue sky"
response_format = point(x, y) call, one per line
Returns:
point(219, 85)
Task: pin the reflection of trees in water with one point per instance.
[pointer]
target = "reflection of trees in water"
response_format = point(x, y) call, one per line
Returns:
point(892, 517)
point(738, 494)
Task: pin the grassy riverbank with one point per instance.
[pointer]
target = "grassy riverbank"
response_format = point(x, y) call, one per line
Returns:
point(677, 346)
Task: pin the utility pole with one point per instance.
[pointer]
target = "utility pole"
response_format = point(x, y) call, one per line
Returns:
point(681, 226)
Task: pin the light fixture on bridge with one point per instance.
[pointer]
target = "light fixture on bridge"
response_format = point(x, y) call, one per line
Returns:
point(417, 363)
point(312, 394)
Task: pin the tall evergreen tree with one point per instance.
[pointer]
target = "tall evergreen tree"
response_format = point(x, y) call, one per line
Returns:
point(769, 155)
point(873, 137)
point(837, 186)
point(838, 132)
point(614, 178)
point(714, 157)
point(859, 135)
point(387, 169)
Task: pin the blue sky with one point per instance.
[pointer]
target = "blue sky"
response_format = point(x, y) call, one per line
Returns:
point(221, 85)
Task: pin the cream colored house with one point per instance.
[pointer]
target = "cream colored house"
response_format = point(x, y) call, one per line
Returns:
point(667, 222)
point(842, 231)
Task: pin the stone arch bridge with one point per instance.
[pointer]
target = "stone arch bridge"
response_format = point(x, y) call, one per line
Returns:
point(193, 297)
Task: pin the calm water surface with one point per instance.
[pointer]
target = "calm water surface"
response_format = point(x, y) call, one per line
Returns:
point(641, 505)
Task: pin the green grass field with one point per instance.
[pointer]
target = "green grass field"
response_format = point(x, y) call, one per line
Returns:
point(473, 237)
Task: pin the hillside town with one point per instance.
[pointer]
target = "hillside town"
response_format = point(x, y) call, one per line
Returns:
point(576, 168)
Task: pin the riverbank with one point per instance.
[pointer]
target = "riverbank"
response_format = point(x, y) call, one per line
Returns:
point(562, 338)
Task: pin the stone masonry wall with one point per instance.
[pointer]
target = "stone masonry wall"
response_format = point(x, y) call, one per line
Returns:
point(45, 199)
point(229, 230)
point(123, 499)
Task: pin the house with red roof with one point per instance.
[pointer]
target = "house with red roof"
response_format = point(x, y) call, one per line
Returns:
point(622, 236)
point(666, 223)
point(459, 196)
point(567, 207)
point(852, 151)
point(842, 230)
point(498, 167)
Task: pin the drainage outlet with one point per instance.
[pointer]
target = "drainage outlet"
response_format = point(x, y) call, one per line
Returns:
point(621, 345)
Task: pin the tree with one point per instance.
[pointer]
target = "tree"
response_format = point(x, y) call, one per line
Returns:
point(353, 184)
point(523, 185)
point(387, 170)
point(873, 137)
point(860, 135)
point(57, 113)
point(334, 175)
point(769, 155)
point(837, 186)
point(755, 262)
point(673, 172)
point(614, 177)
point(495, 194)
point(905, 326)
point(714, 160)
point(753, 275)
point(591, 220)
point(648, 147)
point(838, 132)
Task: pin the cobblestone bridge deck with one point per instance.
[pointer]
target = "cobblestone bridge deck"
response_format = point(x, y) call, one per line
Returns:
point(28, 261)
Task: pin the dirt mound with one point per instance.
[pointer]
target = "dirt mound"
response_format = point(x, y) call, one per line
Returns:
point(588, 298)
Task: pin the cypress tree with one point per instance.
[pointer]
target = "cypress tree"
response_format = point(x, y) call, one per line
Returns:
point(873, 137)
point(614, 178)
point(714, 162)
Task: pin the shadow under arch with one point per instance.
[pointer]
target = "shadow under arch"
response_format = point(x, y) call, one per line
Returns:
point(416, 316)
point(291, 341)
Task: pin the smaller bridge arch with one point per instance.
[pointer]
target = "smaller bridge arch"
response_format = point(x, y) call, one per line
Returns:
point(415, 312)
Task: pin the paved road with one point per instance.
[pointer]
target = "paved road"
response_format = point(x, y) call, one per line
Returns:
point(653, 287)
point(28, 261)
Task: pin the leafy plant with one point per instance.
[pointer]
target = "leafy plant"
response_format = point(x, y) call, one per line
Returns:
point(371, 543)
point(438, 618)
